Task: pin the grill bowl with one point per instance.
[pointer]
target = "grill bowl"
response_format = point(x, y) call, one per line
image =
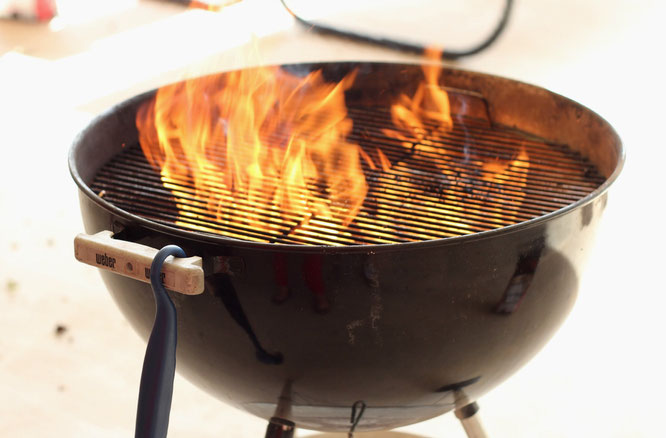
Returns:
point(412, 329)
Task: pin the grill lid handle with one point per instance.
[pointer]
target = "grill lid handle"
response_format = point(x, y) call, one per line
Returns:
point(184, 275)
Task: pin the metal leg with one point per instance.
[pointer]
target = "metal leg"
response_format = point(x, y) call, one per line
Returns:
point(280, 428)
point(470, 420)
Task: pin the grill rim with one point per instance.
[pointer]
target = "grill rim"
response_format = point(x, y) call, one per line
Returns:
point(121, 109)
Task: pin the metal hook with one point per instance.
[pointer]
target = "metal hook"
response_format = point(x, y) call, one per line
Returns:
point(159, 363)
point(355, 419)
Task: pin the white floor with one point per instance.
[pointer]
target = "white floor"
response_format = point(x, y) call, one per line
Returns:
point(601, 376)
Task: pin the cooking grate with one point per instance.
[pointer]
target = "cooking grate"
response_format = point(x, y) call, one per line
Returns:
point(440, 184)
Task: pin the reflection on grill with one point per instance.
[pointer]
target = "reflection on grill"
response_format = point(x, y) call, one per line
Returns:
point(471, 179)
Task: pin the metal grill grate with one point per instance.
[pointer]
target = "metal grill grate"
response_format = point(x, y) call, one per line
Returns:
point(443, 184)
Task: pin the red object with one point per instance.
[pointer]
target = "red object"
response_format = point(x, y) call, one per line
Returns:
point(31, 10)
point(312, 268)
point(45, 9)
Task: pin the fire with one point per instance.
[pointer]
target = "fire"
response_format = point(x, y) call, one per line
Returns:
point(266, 150)
point(211, 5)
point(430, 102)
point(256, 140)
point(421, 121)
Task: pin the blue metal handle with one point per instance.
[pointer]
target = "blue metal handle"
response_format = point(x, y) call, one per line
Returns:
point(159, 364)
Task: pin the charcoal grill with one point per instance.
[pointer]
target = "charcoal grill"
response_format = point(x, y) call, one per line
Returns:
point(413, 310)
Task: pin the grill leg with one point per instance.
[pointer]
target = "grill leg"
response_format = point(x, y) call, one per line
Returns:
point(280, 428)
point(470, 420)
point(278, 425)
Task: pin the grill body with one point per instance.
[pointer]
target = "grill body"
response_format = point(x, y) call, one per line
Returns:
point(412, 329)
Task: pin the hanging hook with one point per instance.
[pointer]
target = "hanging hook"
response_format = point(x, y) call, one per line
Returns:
point(159, 364)
point(355, 419)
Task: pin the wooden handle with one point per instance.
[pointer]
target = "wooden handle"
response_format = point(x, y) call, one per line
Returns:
point(184, 275)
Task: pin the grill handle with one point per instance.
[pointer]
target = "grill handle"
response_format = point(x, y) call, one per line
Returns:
point(184, 275)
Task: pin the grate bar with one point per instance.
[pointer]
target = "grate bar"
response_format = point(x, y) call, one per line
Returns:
point(440, 184)
point(472, 213)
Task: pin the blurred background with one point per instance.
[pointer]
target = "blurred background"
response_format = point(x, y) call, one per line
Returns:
point(69, 362)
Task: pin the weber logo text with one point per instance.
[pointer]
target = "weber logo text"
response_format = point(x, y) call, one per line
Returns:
point(105, 260)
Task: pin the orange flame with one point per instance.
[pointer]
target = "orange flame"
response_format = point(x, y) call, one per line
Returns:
point(256, 139)
point(213, 6)
point(430, 102)
point(266, 149)
point(426, 115)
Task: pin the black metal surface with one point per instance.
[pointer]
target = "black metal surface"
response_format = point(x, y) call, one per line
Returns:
point(279, 428)
point(412, 329)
